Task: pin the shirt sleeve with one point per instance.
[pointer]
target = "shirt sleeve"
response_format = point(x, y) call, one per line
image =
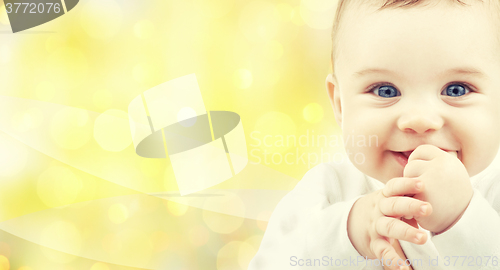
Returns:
point(476, 235)
point(309, 229)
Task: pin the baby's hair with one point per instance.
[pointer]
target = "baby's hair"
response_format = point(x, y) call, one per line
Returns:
point(343, 5)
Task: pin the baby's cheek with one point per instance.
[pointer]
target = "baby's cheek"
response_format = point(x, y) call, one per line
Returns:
point(477, 161)
point(359, 155)
point(368, 160)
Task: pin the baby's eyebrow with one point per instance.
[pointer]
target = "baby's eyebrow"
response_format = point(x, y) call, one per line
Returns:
point(369, 71)
point(465, 71)
point(469, 71)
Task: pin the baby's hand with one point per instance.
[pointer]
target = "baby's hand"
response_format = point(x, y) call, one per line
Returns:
point(448, 188)
point(374, 222)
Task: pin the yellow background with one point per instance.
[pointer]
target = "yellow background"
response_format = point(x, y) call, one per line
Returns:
point(265, 60)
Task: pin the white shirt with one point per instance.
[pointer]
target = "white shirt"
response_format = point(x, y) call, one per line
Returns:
point(309, 225)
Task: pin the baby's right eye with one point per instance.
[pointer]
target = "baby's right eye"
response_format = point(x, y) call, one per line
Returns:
point(385, 91)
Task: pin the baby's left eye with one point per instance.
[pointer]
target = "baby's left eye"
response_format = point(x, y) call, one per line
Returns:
point(455, 90)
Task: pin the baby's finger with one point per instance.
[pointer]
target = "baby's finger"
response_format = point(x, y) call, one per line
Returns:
point(386, 252)
point(400, 186)
point(395, 228)
point(415, 168)
point(425, 152)
point(404, 207)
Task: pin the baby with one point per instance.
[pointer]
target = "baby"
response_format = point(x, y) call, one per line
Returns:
point(424, 78)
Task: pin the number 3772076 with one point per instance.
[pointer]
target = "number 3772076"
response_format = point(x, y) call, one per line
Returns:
point(33, 8)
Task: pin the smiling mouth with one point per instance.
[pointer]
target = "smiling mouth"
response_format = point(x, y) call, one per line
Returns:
point(407, 153)
point(402, 157)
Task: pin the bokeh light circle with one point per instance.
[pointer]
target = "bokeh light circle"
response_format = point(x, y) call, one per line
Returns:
point(4, 263)
point(263, 219)
point(313, 113)
point(118, 213)
point(5, 53)
point(99, 266)
point(199, 235)
point(147, 72)
point(260, 21)
point(274, 132)
point(70, 128)
point(55, 41)
point(318, 14)
point(32, 118)
point(144, 29)
point(243, 78)
point(246, 252)
point(224, 223)
point(5, 249)
point(101, 19)
point(112, 130)
point(286, 11)
point(273, 50)
point(131, 247)
point(45, 90)
point(214, 8)
point(235, 255)
point(177, 209)
point(319, 5)
point(65, 238)
point(67, 67)
point(13, 157)
point(102, 98)
point(58, 186)
point(151, 166)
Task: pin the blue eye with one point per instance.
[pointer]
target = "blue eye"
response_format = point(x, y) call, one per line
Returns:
point(455, 90)
point(386, 91)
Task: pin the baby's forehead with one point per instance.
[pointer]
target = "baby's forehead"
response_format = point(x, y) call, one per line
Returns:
point(358, 7)
point(353, 15)
point(409, 4)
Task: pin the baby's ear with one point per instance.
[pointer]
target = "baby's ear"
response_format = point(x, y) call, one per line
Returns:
point(334, 95)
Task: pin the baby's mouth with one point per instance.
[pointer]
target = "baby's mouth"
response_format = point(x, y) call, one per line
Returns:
point(407, 153)
point(401, 157)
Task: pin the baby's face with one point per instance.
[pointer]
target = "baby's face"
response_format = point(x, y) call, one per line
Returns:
point(424, 75)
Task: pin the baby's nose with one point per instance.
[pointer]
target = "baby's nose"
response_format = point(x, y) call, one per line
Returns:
point(420, 121)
